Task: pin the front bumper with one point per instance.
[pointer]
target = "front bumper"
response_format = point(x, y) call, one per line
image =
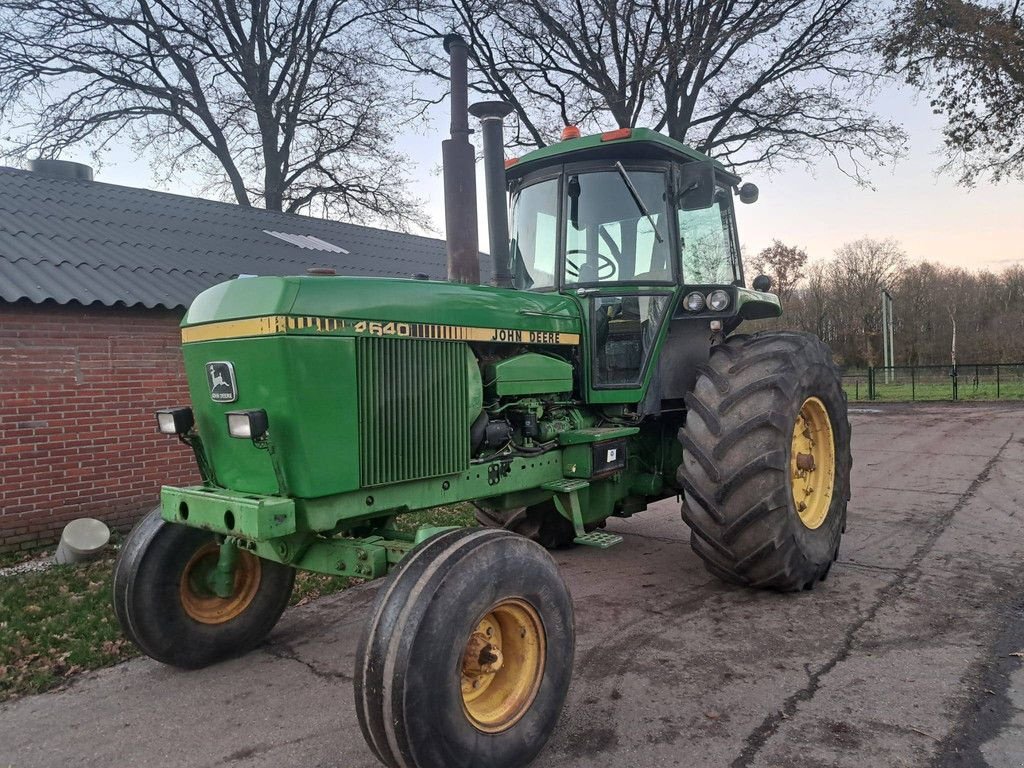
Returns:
point(243, 515)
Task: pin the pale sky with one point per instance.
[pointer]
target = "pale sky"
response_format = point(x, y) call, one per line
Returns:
point(817, 209)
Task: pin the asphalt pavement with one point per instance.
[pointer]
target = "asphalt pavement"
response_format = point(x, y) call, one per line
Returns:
point(908, 655)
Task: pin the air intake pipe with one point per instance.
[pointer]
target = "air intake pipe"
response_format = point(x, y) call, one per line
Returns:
point(492, 115)
point(458, 162)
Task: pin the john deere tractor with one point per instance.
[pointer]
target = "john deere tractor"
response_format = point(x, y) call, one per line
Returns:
point(600, 372)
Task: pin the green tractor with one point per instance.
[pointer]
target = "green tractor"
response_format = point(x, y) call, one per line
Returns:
point(598, 374)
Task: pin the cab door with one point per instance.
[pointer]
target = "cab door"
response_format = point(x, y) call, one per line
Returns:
point(617, 259)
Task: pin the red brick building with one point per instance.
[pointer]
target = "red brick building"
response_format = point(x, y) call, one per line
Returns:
point(94, 279)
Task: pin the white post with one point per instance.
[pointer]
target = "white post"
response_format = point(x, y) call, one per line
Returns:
point(892, 334)
point(885, 339)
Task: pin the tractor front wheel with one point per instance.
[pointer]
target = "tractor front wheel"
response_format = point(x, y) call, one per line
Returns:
point(468, 654)
point(766, 461)
point(164, 604)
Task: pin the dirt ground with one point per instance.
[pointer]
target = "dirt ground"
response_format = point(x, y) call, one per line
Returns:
point(906, 656)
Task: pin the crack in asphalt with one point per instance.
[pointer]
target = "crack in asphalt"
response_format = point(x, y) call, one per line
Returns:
point(905, 577)
point(287, 653)
point(910, 490)
point(867, 566)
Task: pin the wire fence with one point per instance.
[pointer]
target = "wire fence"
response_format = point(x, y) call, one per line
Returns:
point(975, 381)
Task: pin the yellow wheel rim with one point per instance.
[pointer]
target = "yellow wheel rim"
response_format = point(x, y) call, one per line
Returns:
point(502, 666)
point(812, 463)
point(201, 604)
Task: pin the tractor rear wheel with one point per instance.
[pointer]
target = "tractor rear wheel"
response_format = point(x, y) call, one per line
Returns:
point(163, 606)
point(541, 523)
point(467, 657)
point(766, 461)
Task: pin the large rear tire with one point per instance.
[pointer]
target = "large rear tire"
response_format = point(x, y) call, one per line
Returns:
point(163, 608)
point(766, 461)
point(467, 657)
point(541, 523)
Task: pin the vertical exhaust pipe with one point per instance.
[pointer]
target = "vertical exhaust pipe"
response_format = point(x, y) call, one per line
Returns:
point(492, 115)
point(458, 162)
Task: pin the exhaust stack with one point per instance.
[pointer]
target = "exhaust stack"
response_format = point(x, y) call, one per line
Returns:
point(458, 162)
point(492, 115)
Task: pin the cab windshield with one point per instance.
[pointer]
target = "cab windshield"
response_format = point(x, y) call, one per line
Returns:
point(619, 226)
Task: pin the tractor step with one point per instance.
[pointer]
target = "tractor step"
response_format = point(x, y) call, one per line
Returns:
point(598, 539)
point(566, 485)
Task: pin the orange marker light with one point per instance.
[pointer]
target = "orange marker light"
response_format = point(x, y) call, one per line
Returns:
point(621, 133)
point(570, 132)
point(510, 162)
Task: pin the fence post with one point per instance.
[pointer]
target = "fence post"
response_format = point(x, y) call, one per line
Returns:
point(871, 383)
point(997, 380)
point(954, 384)
point(913, 384)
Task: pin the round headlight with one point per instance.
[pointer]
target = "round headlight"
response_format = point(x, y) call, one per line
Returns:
point(694, 302)
point(718, 300)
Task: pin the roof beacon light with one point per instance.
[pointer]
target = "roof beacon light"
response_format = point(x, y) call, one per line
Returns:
point(570, 132)
point(621, 133)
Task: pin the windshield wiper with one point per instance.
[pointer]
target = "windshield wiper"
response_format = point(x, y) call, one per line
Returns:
point(637, 199)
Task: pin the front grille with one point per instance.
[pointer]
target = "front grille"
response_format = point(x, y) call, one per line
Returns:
point(412, 409)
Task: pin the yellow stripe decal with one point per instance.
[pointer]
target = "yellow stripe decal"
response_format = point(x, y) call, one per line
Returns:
point(274, 325)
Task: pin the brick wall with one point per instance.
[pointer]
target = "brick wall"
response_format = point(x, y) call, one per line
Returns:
point(78, 387)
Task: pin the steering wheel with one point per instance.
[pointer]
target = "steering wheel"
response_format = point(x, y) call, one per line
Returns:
point(605, 265)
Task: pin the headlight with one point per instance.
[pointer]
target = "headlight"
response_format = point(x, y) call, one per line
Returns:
point(718, 300)
point(694, 302)
point(248, 425)
point(175, 421)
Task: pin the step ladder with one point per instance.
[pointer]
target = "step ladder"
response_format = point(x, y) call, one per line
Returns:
point(567, 501)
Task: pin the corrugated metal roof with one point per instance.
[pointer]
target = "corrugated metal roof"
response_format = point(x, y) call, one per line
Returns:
point(85, 241)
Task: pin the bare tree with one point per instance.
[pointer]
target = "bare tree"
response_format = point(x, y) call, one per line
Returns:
point(784, 264)
point(970, 55)
point(859, 271)
point(749, 81)
point(285, 95)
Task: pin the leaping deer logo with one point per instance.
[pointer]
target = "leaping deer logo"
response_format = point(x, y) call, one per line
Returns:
point(221, 378)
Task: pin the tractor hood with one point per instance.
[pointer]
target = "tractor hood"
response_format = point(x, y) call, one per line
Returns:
point(360, 306)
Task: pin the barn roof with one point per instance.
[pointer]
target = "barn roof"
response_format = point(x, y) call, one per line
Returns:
point(71, 240)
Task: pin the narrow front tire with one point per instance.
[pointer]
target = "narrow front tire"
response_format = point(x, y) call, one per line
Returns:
point(468, 654)
point(163, 607)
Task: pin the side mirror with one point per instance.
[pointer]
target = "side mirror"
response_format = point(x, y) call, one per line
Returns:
point(749, 193)
point(762, 283)
point(696, 186)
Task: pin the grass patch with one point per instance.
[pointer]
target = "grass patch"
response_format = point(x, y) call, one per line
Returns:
point(55, 624)
point(456, 514)
point(59, 622)
point(928, 391)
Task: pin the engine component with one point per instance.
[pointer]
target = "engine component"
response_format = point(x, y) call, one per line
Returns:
point(497, 434)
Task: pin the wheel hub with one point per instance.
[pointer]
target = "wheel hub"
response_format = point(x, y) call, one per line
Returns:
point(502, 666)
point(199, 600)
point(813, 463)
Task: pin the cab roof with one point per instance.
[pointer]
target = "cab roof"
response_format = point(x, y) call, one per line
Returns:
point(631, 143)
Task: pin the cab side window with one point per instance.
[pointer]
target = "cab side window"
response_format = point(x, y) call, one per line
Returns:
point(706, 242)
point(534, 235)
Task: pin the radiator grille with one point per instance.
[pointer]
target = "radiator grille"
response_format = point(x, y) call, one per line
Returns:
point(412, 407)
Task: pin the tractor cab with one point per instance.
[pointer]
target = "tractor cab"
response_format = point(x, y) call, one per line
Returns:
point(634, 209)
point(641, 230)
